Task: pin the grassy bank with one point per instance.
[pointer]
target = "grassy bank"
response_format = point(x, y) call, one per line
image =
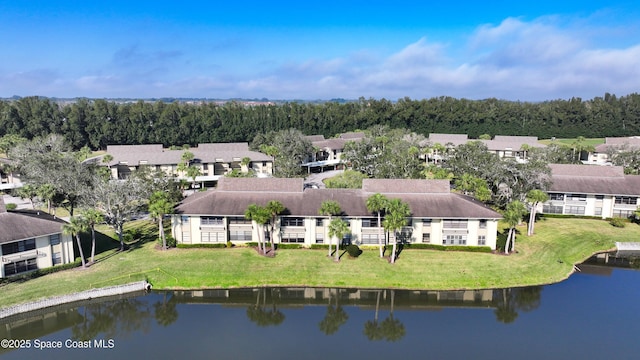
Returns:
point(544, 258)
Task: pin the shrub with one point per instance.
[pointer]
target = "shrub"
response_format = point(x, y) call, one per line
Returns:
point(353, 250)
point(229, 244)
point(617, 222)
point(202, 246)
point(319, 247)
point(288, 246)
point(11, 206)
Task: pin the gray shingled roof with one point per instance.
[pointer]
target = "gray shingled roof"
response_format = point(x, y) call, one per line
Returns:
point(609, 142)
point(405, 186)
point(514, 143)
point(234, 199)
point(155, 154)
point(443, 139)
point(593, 179)
point(22, 224)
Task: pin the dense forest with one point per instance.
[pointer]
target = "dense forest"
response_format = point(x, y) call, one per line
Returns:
point(98, 123)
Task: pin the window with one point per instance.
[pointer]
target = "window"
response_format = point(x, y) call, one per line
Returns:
point(599, 197)
point(186, 237)
point(551, 209)
point(626, 200)
point(623, 213)
point(56, 258)
point(20, 266)
point(426, 238)
point(19, 246)
point(370, 222)
point(211, 221)
point(483, 224)
point(482, 240)
point(54, 239)
point(239, 221)
point(455, 240)
point(576, 210)
point(455, 224)
point(369, 239)
point(319, 221)
point(319, 238)
point(184, 219)
point(556, 196)
point(215, 236)
point(293, 237)
point(577, 197)
point(426, 222)
point(292, 221)
point(240, 236)
point(598, 211)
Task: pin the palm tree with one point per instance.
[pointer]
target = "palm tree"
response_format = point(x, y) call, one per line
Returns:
point(274, 208)
point(378, 203)
point(338, 228)
point(159, 206)
point(330, 208)
point(261, 216)
point(513, 216)
point(74, 227)
point(92, 217)
point(396, 217)
point(372, 329)
point(534, 197)
point(46, 192)
point(334, 318)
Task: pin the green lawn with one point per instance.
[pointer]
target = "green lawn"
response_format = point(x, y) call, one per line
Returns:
point(544, 258)
point(569, 142)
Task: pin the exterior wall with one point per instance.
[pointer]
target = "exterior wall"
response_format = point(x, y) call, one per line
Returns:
point(603, 206)
point(43, 253)
point(190, 230)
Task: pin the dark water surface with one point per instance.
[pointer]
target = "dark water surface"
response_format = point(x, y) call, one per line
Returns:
point(595, 314)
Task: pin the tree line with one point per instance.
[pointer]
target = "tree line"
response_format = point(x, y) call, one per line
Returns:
point(97, 123)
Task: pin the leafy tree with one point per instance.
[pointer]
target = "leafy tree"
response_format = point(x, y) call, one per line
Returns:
point(74, 227)
point(261, 216)
point(330, 208)
point(349, 179)
point(395, 219)
point(159, 206)
point(92, 217)
point(377, 203)
point(534, 198)
point(289, 149)
point(48, 160)
point(119, 200)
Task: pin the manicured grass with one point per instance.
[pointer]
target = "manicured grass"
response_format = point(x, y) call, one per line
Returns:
point(546, 257)
point(569, 142)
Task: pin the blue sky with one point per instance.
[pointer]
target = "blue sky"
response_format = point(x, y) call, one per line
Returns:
point(528, 51)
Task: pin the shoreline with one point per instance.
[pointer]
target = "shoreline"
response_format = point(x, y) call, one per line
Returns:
point(545, 258)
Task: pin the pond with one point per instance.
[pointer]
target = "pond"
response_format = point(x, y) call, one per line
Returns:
point(595, 314)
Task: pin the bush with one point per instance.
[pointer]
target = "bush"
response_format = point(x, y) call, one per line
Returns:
point(202, 246)
point(288, 246)
point(229, 244)
point(11, 206)
point(353, 250)
point(319, 247)
point(617, 222)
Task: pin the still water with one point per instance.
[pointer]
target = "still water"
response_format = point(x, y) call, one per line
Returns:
point(595, 314)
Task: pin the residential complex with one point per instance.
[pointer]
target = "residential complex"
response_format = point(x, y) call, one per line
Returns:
point(603, 191)
point(438, 216)
point(212, 160)
point(31, 240)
